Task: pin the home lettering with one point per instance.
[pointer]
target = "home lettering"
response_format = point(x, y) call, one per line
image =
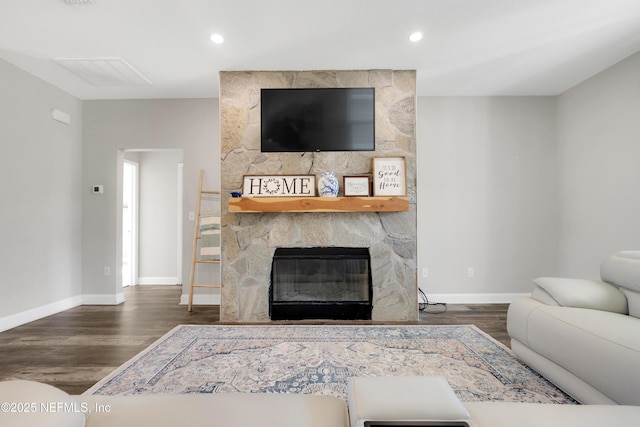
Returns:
point(298, 186)
point(278, 186)
point(255, 185)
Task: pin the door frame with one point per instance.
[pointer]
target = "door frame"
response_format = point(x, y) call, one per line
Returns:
point(134, 217)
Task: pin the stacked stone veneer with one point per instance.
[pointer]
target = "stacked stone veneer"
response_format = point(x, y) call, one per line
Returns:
point(249, 240)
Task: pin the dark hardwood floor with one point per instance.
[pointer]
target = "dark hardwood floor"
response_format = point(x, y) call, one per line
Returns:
point(74, 349)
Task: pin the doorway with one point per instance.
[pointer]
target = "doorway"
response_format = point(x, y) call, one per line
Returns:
point(152, 217)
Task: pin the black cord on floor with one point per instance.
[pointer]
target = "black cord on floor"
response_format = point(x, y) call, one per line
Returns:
point(423, 306)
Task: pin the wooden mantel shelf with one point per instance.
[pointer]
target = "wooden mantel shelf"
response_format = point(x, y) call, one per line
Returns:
point(318, 204)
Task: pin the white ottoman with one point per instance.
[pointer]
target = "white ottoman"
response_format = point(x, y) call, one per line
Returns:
point(404, 399)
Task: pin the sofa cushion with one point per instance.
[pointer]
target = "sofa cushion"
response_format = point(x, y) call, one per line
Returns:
point(582, 293)
point(398, 398)
point(633, 300)
point(512, 414)
point(218, 409)
point(30, 403)
point(622, 269)
point(599, 347)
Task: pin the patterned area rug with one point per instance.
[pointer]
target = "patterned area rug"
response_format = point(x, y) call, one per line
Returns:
point(320, 359)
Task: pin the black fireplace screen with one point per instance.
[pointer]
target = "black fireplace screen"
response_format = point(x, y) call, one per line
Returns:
point(321, 283)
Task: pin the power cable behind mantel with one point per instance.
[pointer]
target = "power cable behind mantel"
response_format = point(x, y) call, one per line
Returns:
point(424, 304)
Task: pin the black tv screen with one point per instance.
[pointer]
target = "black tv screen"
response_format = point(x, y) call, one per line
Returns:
point(331, 119)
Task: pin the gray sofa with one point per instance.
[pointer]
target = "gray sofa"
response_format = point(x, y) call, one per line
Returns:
point(31, 404)
point(584, 335)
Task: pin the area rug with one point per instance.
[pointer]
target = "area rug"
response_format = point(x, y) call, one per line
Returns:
point(321, 359)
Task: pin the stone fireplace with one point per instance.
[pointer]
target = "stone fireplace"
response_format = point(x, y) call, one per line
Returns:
point(249, 240)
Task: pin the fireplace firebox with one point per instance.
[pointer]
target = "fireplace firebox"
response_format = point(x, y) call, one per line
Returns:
point(320, 283)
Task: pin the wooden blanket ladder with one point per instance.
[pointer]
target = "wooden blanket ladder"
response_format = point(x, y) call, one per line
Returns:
point(197, 237)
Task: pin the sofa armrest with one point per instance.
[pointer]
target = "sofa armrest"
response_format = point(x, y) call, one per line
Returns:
point(580, 293)
point(622, 269)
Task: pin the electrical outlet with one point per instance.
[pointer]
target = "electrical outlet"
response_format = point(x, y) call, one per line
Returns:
point(192, 216)
point(469, 272)
point(425, 272)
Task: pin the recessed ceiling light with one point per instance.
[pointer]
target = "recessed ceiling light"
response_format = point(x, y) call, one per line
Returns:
point(417, 36)
point(217, 38)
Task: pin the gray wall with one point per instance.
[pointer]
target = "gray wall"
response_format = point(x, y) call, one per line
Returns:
point(41, 213)
point(599, 163)
point(112, 126)
point(522, 187)
point(487, 195)
point(513, 187)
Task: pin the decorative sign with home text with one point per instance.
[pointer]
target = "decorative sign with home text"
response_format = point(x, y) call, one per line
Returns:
point(279, 186)
point(389, 176)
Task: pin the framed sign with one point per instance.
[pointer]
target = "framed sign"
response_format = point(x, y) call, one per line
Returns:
point(278, 185)
point(389, 176)
point(356, 186)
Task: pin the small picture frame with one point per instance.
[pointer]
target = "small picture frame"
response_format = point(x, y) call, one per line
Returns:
point(389, 176)
point(355, 186)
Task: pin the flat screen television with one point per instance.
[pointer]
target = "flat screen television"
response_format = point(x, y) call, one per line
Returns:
point(329, 119)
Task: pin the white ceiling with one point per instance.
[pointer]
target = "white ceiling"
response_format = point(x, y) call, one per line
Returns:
point(470, 47)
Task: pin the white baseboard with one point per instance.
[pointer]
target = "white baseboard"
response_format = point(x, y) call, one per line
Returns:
point(14, 320)
point(474, 298)
point(158, 281)
point(103, 299)
point(33, 314)
point(201, 299)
